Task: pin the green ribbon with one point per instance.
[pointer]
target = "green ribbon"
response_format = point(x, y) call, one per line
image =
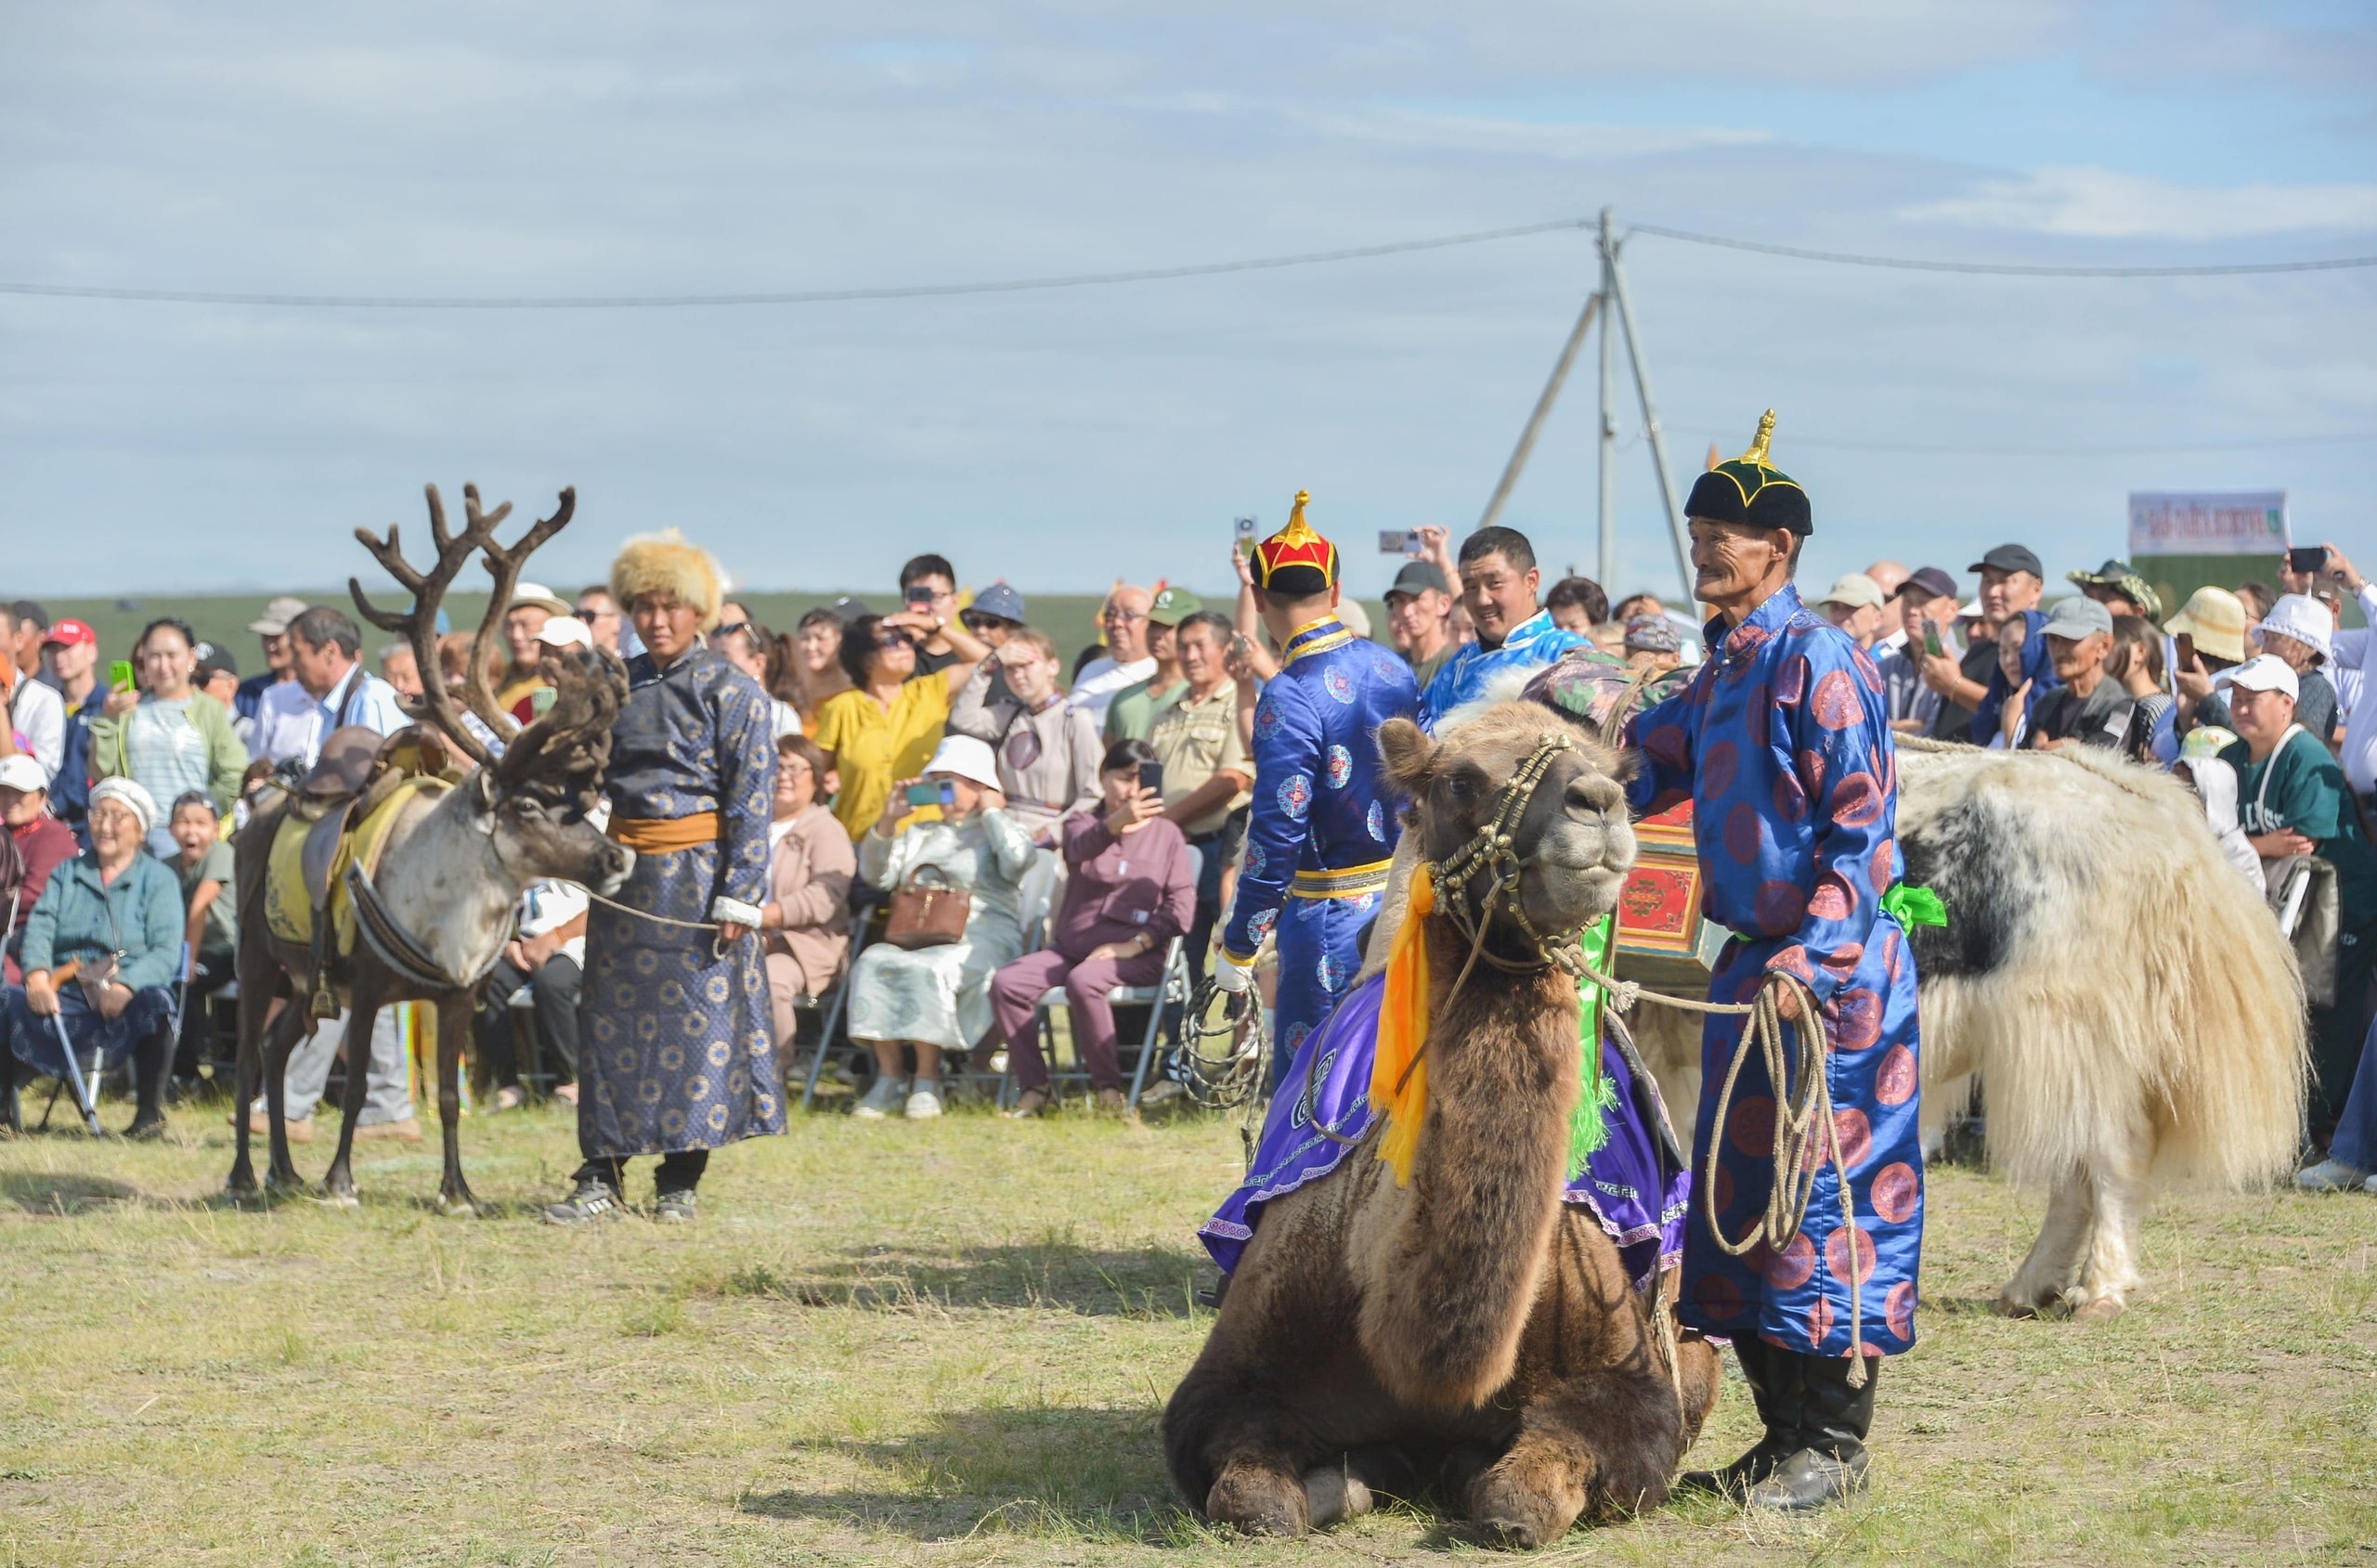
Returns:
point(1588, 1130)
point(1914, 906)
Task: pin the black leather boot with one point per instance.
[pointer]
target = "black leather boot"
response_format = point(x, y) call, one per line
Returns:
point(1828, 1462)
point(1771, 1374)
point(153, 1060)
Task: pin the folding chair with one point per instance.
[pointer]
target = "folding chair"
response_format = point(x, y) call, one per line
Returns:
point(1172, 986)
point(836, 995)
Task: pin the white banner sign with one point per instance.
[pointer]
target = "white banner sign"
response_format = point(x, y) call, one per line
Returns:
point(2207, 523)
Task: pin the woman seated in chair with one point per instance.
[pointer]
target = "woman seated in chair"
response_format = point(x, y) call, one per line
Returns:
point(115, 913)
point(935, 998)
point(806, 920)
point(1130, 891)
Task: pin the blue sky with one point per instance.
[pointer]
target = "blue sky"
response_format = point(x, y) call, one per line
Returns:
point(1063, 439)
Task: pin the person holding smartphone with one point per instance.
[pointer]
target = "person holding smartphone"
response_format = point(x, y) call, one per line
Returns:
point(1927, 607)
point(1130, 891)
point(170, 738)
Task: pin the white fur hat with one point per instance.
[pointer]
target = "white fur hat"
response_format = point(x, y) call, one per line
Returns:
point(130, 796)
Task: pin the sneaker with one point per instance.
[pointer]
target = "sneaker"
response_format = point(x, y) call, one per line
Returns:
point(886, 1095)
point(2331, 1176)
point(407, 1131)
point(510, 1097)
point(924, 1100)
point(260, 1125)
point(593, 1199)
point(676, 1208)
point(1163, 1092)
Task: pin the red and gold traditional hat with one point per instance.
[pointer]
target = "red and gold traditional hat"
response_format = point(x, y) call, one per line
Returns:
point(1295, 563)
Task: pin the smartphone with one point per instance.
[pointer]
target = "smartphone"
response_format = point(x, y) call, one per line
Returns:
point(120, 674)
point(1151, 776)
point(2184, 646)
point(2306, 559)
point(1246, 531)
point(1931, 644)
point(920, 596)
point(541, 700)
point(1398, 542)
point(925, 794)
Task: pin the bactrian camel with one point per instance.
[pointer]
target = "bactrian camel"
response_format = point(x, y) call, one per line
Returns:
point(1468, 1333)
point(2122, 992)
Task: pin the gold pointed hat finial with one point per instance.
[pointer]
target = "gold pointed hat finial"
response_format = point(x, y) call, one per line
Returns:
point(1758, 447)
point(1297, 528)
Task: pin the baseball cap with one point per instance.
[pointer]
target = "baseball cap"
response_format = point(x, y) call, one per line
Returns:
point(1174, 606)
point(21, 772)
point(998, 600)
point(2077, 616)
point(566, 631)
point(2010, 558)
point(1417, 577)
point(1855, 590)
point(536, 596)
point(72, 633)
point(212, 657)
point(846, 609)
point(2263, 672)
point(2304, 620)
point(276, 615)
point(1930, 582)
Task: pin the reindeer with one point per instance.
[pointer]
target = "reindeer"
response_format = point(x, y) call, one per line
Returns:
point(456, 860)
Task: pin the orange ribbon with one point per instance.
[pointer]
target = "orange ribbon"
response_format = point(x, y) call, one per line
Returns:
point(1399, 1071)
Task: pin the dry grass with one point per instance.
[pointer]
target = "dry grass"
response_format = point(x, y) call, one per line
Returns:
point(948, 1343)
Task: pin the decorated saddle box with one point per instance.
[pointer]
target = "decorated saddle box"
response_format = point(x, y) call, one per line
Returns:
point(1664, 943)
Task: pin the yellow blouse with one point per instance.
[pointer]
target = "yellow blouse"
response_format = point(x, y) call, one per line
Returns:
point(871, 747)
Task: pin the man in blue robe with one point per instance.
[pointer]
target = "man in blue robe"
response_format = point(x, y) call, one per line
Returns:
point(1783, 744)
point(1321, 831)
point(1516, 636)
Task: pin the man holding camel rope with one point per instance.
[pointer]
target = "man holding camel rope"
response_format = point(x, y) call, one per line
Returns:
point(1782, 744)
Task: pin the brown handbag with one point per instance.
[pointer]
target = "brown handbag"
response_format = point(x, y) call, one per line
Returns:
point(928, 913)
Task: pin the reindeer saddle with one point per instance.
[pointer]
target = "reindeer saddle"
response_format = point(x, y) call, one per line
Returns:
point(339, 817)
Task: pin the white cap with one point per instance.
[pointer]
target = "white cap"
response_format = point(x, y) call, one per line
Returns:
point(536, 596)
point(2263, 672)
point(1855, 590)
point(566, 631)
point(964, 757)
point(19, 771)
point(2304, 620)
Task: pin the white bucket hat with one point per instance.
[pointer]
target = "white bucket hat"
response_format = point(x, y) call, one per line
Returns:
point(2304, 620)
point(964, 757)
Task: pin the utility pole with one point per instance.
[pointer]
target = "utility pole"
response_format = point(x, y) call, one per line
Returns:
point(1608, 568)
point(1542, 408)
point(1617, 284)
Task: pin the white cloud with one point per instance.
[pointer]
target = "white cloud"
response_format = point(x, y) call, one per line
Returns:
point(1459, 133)
point(2106, 204)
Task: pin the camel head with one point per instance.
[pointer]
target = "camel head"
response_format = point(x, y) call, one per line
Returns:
point(1573, 839)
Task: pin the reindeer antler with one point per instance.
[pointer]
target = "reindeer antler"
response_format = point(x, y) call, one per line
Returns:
point(504, 565)
point(419, 626)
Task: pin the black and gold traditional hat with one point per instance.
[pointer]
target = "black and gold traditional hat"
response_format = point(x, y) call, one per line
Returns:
point(1751, 490)
point(1295, 563)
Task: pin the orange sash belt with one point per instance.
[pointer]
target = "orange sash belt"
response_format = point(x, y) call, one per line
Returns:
point(665, 836)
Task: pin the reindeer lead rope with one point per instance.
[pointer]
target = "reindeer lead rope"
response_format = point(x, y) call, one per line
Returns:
point(718, 946)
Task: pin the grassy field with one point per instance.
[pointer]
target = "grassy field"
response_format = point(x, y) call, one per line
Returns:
point(948, 1343)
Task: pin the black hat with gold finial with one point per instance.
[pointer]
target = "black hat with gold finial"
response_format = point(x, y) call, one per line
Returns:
point(1751, 490)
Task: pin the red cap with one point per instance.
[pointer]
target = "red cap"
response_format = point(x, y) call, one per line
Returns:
point(70, 632)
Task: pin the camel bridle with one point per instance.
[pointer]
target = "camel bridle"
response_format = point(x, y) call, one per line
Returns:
point(1484, 875)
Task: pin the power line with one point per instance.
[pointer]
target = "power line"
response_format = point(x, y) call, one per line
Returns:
point(2339, 439)
point(2004, 270)
point(810, 296)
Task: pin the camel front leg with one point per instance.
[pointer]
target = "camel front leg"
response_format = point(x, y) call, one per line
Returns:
point(1605, 1441)
point(2037, 1289)
point(453, 1028)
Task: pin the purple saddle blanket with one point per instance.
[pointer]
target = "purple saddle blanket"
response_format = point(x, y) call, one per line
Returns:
point(1631, 1184)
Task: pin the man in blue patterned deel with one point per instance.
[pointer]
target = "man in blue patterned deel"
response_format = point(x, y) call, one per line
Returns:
point(1515, 634)
point(677, 1054)
point(1321, 832)
point(1783, 744)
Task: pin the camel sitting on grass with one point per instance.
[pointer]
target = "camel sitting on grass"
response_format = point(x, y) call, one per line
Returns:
point(1468, 1330)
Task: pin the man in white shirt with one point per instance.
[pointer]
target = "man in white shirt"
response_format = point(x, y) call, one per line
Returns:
point(1127, 661)
point(332, 691)
point(547, 956)
point(2350, 650)
point(293, 718)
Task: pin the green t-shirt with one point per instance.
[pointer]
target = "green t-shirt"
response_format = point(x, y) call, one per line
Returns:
point(215, 866)
point(1132, 715)
point(2300, 787)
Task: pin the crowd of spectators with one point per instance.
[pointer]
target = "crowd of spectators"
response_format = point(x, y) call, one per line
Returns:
point(952, 743)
